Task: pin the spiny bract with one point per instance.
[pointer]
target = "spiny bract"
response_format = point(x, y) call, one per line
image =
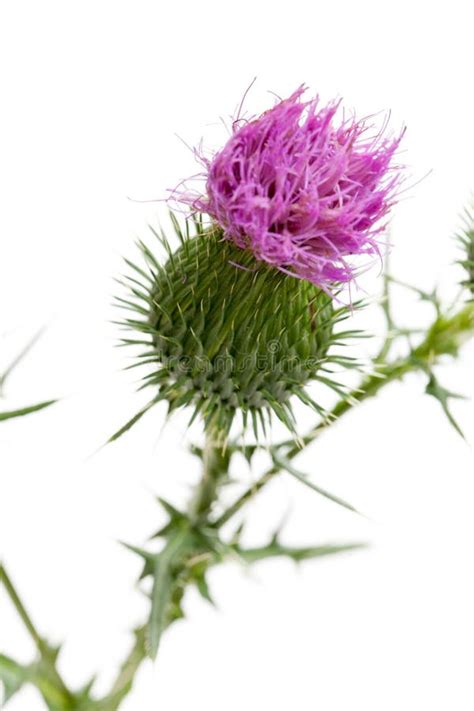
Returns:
point(228, 333)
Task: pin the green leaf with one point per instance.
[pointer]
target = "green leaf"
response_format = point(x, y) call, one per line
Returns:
point(444, 396)
point(275, 549)
point(286, 465)
point(163, 587)
point(466, 241)
point(26, 410)
point(12, 676)
point(41, 675)
point(148, 558)
point(141, 552)
point(176, 519)
point(171, 510)
point(203, 588)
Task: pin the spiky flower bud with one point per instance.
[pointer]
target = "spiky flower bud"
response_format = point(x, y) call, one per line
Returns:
point(230, 333)
point(231, 328)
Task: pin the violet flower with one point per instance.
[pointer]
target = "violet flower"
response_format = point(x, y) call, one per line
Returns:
point(302, 191)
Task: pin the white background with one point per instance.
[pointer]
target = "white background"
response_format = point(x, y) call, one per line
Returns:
point(92, 95)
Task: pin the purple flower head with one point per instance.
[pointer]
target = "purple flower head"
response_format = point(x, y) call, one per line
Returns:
point(301, 191)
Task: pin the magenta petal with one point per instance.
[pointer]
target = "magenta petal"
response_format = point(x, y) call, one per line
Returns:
point(302, 193)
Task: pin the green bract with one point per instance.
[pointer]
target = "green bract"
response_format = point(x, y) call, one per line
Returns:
point(229, 333)
point(466, 242)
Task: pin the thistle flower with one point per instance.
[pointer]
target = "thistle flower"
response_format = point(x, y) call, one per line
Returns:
point(231, 329)
point(301, 192)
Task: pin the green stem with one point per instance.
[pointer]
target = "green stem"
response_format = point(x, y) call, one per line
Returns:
point(47, 654)
point(124, 680)
point(215, 459)
point(20, 608)
point(246, 496)
point(387, 311)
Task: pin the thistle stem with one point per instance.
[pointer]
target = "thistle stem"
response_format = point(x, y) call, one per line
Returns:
point(246, 496)
point(387, 311)
point(47, 654)
point(125, 677)
point(20, 608)
point(215, 460)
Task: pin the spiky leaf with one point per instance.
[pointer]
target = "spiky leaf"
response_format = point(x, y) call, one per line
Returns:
point(443, 396)
point(26, 410)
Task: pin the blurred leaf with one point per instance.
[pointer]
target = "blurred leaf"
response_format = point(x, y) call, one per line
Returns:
point(466, 241)
point(176, 519)
point(444, 396)
point(286, 465)
point(203, 588)
point(148, 558)
point(26, 410)
point(171, 510)
point(41, 675)
point(12, 676)
point(275, 549)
